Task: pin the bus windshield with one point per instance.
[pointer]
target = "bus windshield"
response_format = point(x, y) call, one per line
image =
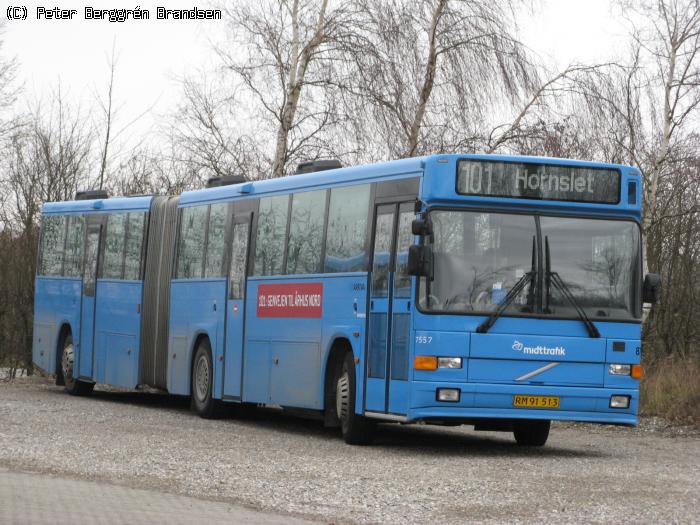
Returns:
point(479, 257)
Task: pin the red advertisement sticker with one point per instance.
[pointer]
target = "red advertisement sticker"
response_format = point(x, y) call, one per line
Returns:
point(290, 300)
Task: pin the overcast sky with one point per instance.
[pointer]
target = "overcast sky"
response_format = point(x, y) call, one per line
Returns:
point(153, 54)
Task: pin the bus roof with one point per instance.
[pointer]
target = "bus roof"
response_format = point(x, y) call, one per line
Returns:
point(337, 177)
point(358, 174)
point(99, 205)
point(308, 181)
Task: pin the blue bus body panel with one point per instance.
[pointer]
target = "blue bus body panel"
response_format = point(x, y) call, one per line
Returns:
point(59, 300)
point(233, 359)
point(197, 308)
point(521, 356)
point(118, 332)
point(85, 348)
point(56, 302)
point(285, 357)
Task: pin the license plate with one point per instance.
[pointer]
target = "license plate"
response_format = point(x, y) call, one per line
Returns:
point(536, 401)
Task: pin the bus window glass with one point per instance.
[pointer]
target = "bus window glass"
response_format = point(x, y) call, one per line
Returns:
point(74, 246)
point(272, 228)
point(402, 286)
point(347, 229)
point(478, 259)
point(239, 253)
point(191, 249)
point(216, 240)
point(382, 251)
point(52, 241)
point(134, 243)
point(114, 246)
point(306, 232)
point(598, 260)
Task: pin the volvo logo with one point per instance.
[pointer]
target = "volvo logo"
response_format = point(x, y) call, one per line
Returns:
point(517, 345)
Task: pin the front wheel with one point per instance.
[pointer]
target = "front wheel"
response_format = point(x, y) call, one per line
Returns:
point(202, 378)
point(356, 429)
point(73, 386)
point(531, 433)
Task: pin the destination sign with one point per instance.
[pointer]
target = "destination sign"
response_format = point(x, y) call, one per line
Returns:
point(538, 181)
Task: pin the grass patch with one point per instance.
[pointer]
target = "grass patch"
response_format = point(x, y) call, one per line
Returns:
point(671, 389)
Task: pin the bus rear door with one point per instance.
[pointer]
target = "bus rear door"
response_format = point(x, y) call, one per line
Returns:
point(87, 313)
point(235, 308)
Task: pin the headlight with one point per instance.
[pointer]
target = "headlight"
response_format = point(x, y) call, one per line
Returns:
point(620, 370)
point(449, 362)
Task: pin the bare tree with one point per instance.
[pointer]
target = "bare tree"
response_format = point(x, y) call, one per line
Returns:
point(288, 70)
point(9, 90)
point(47, 159)
point(671, 37)
point(572, 90)
point(207, 134)
point(108, 111)
point(427, 74)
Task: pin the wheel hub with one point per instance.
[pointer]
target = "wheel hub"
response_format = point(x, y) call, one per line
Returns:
point(342, 396)
point(202, 378)
point(67, 363)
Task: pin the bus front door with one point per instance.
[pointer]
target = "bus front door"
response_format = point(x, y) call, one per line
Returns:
point(389, 313)
point(235, 308)
point(86, 351)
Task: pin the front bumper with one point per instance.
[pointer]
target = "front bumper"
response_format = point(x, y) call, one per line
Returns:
point(495, 401)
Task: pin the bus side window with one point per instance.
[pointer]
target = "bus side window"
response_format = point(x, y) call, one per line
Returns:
point(53, 233)
point(272, 229)
point(239, 254)
point(347, 229)
point(190, 258)
point(306, 232)
point(74, 246)
point(133, 246)
point(216, 240)
point(114, 246)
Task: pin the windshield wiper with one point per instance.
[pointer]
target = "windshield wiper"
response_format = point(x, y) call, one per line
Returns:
point(511, 295)
point(555, 279)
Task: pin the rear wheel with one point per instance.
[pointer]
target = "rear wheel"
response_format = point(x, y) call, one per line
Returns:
point(531, 433)
point(356, 429)
point(73, 386)
point(202, 382)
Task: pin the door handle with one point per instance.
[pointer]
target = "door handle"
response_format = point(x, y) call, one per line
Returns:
point(276, 360)
point(214, 307)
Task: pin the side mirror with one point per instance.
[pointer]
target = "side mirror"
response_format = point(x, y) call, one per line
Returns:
point(420, 260)
point(651, 290)
point(421, 227)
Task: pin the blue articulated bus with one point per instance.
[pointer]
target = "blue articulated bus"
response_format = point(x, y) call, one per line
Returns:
point(501, 292)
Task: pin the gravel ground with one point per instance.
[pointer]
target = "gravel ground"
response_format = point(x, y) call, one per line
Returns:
point(414, 474)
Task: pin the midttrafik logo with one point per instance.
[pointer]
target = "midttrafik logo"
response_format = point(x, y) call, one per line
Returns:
point(539, 349)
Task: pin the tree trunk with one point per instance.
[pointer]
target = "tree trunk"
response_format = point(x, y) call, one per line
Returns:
point(428, 81)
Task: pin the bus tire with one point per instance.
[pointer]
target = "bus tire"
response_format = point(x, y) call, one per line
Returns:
point(203, 402)
point(74, 387)
point(356, 429)
point(531, 433)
